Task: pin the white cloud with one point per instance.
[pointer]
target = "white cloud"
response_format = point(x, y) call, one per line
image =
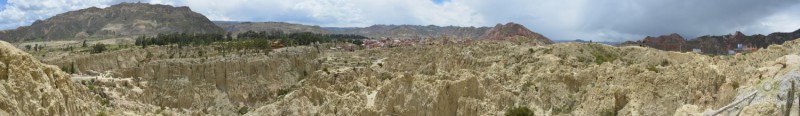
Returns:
point(338, 12)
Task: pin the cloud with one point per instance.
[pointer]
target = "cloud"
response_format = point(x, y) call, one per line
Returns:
point(687, 17)
point(558, 19)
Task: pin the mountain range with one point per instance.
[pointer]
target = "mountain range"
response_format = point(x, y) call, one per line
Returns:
point(498, 32)
point(719, 44)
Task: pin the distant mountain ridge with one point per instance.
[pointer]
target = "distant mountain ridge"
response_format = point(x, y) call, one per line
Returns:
point(412, 31)
point(235, 27)
point(719, 44)
point(124, 19)
point(499, 32)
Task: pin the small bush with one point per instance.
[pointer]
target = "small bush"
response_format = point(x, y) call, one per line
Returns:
point(385, 76)
point(68, 69)
point(519, 111)
point(102, 113)
point(105, 102)
point(285, 91)
point(527, 86)
point(652, 68)
point(160, 110)
point(91, 87)
point(242, 110)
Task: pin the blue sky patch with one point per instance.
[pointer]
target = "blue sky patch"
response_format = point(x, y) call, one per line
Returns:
point(440, 1)
point(3, 4)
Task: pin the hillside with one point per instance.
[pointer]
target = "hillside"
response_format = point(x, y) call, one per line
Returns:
point(515, 32)
point(125, 19)
point(240, 27)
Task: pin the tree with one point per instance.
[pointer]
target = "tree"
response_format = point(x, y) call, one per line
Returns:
point(358, 42)
point(98, 48)
point(84, 44)
point(229, 36)
point(28, 47)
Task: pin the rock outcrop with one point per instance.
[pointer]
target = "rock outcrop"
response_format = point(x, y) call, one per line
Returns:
point(164, 79)
point(31, 88)
point(125, 19)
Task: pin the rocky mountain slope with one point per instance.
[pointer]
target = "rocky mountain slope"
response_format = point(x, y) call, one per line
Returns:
point(516, 32)
point(28, 87)
point(240, 27)
point(125, 19)
point(715, 44)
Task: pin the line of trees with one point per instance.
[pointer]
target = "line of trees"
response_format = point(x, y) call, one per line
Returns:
point(302, 38)
point(180, 39)
point(289, 39)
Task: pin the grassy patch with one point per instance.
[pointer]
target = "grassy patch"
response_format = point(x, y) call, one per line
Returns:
point(601, 55)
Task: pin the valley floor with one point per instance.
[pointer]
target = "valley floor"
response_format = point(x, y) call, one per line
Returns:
point(482, 78)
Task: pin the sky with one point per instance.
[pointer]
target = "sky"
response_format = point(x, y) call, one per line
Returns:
point(599, 20)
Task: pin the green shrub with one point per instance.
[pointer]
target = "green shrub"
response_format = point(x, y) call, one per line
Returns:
point(519, 111)
point(68, 69)
point(653, 68)
point(385, 76)
point(285, 91)
point(104, 102)
point(242, 110)
point(102, 113)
